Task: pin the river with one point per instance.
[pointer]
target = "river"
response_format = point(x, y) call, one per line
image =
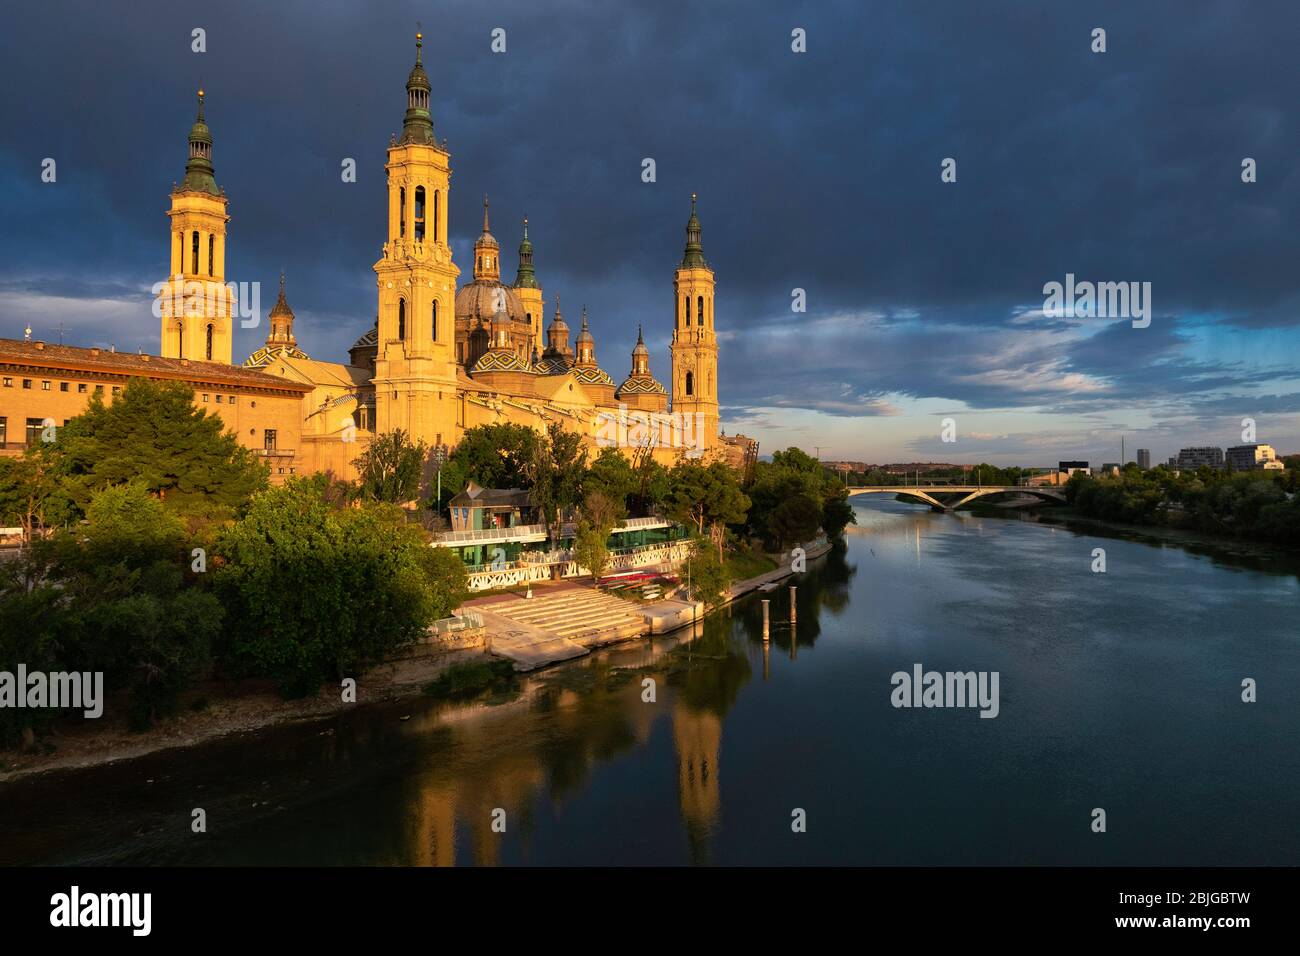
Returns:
point(1119, 690)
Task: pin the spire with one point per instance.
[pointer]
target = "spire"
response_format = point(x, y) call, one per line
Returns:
point(586, 344)
point(280, 319)
point(417, 127)
point(487, 253)
point(198, 169)
point(694, 257)
point(640, 357)
point(526, 278)
point(557, 336)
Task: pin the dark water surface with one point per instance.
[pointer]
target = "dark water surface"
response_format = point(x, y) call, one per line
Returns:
point(1119, 690)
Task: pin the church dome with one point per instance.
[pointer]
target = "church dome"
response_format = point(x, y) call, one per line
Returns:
point(478, 300)
point(641, 386)
point(501, 360)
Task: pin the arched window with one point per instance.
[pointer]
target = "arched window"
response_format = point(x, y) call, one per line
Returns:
point(419, 213)
point(529, 317)
point(435, 320)
point(699, 310)
point(212, 253)
point(437, 213)
point(401, 319)
point(687, 306)
point(194, 254)
point(690, 383)
point(208, 347)
point(401, 212)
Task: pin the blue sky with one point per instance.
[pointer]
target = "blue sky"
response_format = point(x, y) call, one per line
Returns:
point(818, 171)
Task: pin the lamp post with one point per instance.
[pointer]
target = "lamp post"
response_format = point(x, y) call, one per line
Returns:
point(439, 459)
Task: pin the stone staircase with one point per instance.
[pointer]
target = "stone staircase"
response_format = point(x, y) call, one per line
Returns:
point(581, 615)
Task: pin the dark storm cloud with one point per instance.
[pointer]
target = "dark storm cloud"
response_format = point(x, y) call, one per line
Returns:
point(818, 171)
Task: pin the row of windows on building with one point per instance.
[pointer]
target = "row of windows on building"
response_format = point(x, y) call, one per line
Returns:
point(47, 386)
point(35, 428)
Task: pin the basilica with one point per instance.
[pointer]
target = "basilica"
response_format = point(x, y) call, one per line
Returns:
point(444, 356)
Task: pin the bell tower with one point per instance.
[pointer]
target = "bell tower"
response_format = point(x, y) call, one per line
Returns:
point(195, 305)
point(415, 368)
point(695, 342)
point(529, 292)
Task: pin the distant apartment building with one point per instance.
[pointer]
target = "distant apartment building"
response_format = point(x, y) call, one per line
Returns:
point(1110, 468)
point(1253, 457)
point(1189, 459)
point(1144, 458)
point(1070, 467)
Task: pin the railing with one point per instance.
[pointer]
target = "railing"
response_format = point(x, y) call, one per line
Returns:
point(522, 532)
point(274, 452)
point(492, 534)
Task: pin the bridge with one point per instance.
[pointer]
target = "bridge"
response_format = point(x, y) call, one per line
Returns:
point(967, 493)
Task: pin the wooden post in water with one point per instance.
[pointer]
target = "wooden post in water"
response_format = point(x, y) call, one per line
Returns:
point(765, 638)
point(794, 612)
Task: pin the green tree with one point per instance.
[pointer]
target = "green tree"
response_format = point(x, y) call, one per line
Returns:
point(598, 516)
point(153, 433)
point(115, 595)
point(559, 463)
point(30, 495)
point(706, 573)
point(495, 456)
point(391, 467)
point(590, 548)
point(447, 578)
point(652, 483)
point(707, 497)
point(612, 475)
point(316, 593)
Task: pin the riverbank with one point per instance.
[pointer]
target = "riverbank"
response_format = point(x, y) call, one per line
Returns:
point(218, 709)
point(1225, 545)
point(236, 708)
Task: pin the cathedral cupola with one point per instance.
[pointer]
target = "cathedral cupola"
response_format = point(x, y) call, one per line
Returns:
point(487, 253)
point(586, 343)
point(526, 278)
point(417, 127)
point(694, 257)
point(198, 169)
point(557, 336)
point(640, 357)
point(640, 389)
point(281, 321)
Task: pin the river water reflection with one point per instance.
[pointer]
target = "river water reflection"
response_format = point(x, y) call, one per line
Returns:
point(1119, 690)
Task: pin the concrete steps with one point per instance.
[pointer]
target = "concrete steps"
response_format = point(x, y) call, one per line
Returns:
point(581, 615)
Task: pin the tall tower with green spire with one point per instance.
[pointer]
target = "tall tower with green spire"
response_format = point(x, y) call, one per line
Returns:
point(529, 292)
point(415, 367)
point(694, 346)
point(195, 307)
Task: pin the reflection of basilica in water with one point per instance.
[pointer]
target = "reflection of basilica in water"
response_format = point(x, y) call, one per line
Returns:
point(537, 755)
